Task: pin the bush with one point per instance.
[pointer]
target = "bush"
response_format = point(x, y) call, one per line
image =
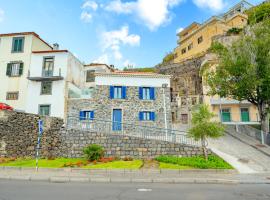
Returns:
point(234, 31)
point(93, 152)
point(214, 162)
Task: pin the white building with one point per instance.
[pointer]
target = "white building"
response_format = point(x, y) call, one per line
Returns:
point(50, 75)
point(15, 58)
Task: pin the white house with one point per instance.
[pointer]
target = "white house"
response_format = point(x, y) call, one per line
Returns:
point(50, 75)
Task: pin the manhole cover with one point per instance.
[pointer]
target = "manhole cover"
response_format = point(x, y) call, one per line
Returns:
point(243, 160)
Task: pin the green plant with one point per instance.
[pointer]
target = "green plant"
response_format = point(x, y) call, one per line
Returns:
point(203, 127)
point(234, 31)
point(93, 152)
point(259, 13)
point(213, 162)
point(168, 58)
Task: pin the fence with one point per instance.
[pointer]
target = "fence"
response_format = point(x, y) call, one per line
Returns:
point(146, 132)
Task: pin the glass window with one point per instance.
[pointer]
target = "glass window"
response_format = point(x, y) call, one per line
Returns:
point(90, 76)
point(245, 115)
point(15, 69)
point(46, 87)
point(118, 92)
point(200, 39)
point(48, 67)
point(183, 50)
point(18, 44)
point(146, 93)
point(226, 115)
point(44, 110)
point(12, 95)
point(190, 46)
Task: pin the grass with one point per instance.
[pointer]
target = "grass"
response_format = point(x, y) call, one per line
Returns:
point(56, 163)
point(214, 162)
point(135, 164)
point(163, 165)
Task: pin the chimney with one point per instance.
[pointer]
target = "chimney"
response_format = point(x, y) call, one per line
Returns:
point(55, 46)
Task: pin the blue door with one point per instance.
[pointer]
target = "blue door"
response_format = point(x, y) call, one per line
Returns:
point(117, 120)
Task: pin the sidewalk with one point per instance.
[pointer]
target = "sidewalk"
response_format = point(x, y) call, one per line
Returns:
point(132, 176)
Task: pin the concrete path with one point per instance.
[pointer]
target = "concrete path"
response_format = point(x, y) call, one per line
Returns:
point(242, 156)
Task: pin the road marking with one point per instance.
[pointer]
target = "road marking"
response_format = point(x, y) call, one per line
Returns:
point(144, 190)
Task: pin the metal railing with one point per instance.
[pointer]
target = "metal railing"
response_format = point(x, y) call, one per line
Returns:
point(128, 129)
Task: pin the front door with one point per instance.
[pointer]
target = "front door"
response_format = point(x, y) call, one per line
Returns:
point(244, 115)
point(117, 120)
point(226, 115)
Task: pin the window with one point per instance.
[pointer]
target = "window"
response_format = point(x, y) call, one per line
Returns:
point(48, 66)
point(146, 93)
point(44, 110)
point(46, 87)
point(17, 45)
point(12, 95)
point(200, 39)
point(86, 115)
point(183, 50)
point(117, 92)
point(225, 115)
point(14, 69)
point(146, 116)
point(184, 118)
point(190, 46)
point(90, 76)
point(245, 115)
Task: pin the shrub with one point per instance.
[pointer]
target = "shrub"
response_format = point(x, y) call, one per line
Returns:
point(127, 159)
point(93, 152)
point(234, 31)
point(214, 162)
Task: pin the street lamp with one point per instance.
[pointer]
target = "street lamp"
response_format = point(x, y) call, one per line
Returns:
point(164, 86)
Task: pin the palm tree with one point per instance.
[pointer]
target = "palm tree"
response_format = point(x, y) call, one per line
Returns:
point(203, 127)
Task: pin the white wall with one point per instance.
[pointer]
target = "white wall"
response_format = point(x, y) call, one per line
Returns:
point(132, 81)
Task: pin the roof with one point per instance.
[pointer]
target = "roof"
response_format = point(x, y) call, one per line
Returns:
point(194, 24)
point(99, 64)
point(134, 74)
point(51, 51)
point(25, 33)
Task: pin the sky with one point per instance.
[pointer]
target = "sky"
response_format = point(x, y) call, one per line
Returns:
point(119, 32)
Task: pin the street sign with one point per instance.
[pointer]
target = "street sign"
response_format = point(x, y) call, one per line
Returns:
point(40, 127)
point(40, 132)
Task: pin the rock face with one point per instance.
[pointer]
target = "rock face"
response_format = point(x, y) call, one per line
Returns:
point(18, 138)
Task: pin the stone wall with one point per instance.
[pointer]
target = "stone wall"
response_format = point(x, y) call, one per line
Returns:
point(19, 131)
point(18, 138)
point(103, 106)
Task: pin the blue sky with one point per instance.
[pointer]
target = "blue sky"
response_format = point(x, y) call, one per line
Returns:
point(119, 32)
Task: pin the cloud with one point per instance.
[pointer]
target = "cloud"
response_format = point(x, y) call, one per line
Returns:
point(214, 5)
point(86, 17)
point(179, 30)
point(152, 13)
point(104, 59)
point(2, 14)
point(90, 5)
point(127, 63)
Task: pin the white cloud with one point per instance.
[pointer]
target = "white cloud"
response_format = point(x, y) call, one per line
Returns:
point(2, 14)
point(152, 13)
point(214, 5)
point(127, 63)
point(179, 30)
point(90, 5)
point(104, 59)
point(86, 17)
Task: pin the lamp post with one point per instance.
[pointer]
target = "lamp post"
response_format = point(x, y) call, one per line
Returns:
point(164, 86)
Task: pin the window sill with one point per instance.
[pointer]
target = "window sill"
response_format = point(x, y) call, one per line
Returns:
point(46, 94)
point(16, 76)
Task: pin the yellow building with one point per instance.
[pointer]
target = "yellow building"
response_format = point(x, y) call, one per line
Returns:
point(15, 58)
point(196, 39)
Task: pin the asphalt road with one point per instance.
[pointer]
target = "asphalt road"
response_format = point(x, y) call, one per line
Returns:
point(26, 190)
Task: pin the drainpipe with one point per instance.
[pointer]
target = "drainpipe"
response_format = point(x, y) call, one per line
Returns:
point(164, 86)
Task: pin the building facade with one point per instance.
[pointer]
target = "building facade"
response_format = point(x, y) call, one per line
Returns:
point(15, 59)
point(50, 75)
point(125, 98)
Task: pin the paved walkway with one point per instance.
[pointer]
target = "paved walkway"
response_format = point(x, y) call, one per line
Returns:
point(242, 156)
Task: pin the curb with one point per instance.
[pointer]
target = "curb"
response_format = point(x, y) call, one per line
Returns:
point(64, 179)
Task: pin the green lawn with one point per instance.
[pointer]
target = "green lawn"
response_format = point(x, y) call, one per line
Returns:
point(135, 164)
point(172, 166)
point(58, 162)
point(214, 162)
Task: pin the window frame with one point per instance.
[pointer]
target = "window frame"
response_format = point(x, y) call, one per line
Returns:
point(184, 50)
point(43, 67)
point(13, 43)
point(92, 79)
point(41, 88)
point(147, 116)
point(117, 90)
point(200, 40)
point(39, 109)
point(12, 99)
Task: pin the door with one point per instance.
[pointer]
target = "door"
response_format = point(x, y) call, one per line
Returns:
point(117, 120)
point(244, 115)
point(226, 115)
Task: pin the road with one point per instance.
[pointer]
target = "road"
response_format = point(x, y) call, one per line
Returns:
point(26, 190)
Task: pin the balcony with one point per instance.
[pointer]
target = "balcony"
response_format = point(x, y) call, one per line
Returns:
point(47, 75)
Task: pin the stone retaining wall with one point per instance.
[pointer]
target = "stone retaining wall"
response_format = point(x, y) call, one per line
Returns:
point(18, 138)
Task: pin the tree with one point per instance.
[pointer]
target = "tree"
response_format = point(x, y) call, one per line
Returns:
point(169, 57)
point(258, 13)
point(243, 71)
point(203, 128)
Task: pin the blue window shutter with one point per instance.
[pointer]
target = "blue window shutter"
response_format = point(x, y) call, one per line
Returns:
point(152, 93)
point(82, 116)
point(152, 116)
point(124, 92)
point(111, 92)
point(140, 93)
point(141, 116)
point(92, 115)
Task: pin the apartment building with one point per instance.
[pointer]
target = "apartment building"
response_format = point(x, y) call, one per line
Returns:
point(51, 74)
point(15, 58)
point(196, 39)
